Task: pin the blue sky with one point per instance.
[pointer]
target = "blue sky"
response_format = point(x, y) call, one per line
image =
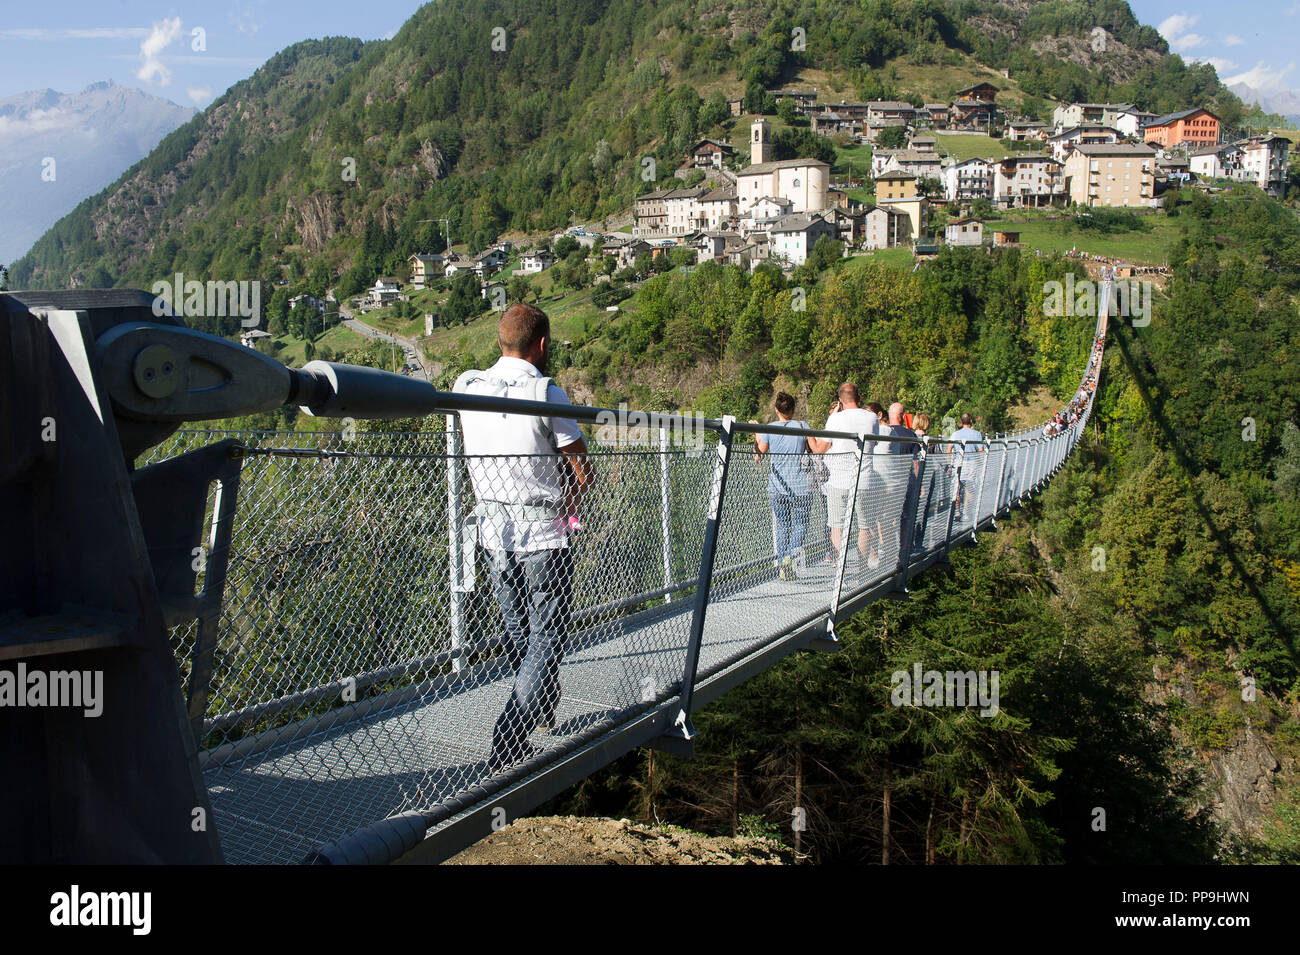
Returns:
point(1248, 42)
point(67, 44)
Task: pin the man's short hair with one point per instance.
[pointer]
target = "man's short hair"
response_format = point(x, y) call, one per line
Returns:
point(521, 327)
point(875, 409)
point(967, 420)
point(848, 392)
point(784, 404)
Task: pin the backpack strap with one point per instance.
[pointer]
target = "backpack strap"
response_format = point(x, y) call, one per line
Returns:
point(540, 387)
point(535, 389)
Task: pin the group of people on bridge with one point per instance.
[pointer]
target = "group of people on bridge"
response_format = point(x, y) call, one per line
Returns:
point(529, 473)
point(802, 464)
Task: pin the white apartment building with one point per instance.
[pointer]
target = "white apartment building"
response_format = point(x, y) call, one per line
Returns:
point(1131, 121)
point(968, 179)
point(1264, 162)
point(1090, 114)
point(681, 206)
point(1027, 181)
point(715, 209)
point(1223, 161)
point(793, 236)
point(1261, 160)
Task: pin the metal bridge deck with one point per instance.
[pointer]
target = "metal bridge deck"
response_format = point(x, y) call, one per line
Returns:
point(275, 806)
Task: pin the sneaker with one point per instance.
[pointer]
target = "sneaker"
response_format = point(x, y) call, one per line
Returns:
point(787, 570)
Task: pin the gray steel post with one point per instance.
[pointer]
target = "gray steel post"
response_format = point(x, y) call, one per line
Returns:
point(455, 543)
point(833, 616)
point(908, 528)
point(952, 506)
point(1014, 477)
point(997, 494)
point(682, 728)
point(665, 504)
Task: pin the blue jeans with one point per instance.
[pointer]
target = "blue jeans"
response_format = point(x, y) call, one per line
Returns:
point(791, 512)
point(535, 592)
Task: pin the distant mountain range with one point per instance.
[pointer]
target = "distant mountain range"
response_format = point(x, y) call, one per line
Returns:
point(1286, 103)
point(92, 137)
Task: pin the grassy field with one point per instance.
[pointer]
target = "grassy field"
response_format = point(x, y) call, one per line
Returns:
point(339, 340)
point(970, 147)
point(852, 159)
point(572, 316)
point(387, 320)
point(938, 81)
point(1139, 248)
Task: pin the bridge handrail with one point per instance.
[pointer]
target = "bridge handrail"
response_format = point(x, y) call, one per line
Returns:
point(942, 506)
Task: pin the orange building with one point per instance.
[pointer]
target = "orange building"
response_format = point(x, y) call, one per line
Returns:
point(1198, 126)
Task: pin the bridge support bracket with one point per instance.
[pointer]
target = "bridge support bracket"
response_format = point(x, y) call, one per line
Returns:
point(829, 643)
point(678, 739)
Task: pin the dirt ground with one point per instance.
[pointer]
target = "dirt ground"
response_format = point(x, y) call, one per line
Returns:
point(574, 840)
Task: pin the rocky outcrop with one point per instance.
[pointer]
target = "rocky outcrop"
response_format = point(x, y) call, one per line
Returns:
point(1244, 783)
point(317, 218)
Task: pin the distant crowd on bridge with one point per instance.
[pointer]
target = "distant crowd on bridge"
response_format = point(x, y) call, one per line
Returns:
point(1116, 264)
point(1067, 416)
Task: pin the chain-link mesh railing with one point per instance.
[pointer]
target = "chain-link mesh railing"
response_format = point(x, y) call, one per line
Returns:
point(404, 624)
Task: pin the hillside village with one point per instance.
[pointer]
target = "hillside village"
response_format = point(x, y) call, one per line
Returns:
point(746, 210)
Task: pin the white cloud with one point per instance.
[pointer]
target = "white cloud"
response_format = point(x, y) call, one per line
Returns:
point(1220, 65)
point(36, 121)
point(245, 19)
point(163, 35)
point(88, 33)
point(1233, 40)
point(1263, 77)
point(199, 95)
point(1176, 29)
point(1172, 26)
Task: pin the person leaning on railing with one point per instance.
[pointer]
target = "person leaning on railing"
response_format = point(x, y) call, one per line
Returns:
point(787, 483)
point(529, 473)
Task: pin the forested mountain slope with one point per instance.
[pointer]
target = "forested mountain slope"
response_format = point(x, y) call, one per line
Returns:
point(289, 168)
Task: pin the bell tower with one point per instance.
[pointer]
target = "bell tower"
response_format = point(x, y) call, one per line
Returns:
point(760, 142)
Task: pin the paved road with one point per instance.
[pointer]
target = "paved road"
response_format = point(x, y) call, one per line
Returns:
point(409, 346)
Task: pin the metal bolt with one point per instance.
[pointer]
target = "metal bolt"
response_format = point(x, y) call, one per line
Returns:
point(154, 371)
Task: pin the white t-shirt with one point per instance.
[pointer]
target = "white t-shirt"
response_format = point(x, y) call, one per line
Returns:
point(840, 460)
point(513, 462)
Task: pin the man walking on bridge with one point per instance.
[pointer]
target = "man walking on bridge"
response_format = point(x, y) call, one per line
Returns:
point(528, 473)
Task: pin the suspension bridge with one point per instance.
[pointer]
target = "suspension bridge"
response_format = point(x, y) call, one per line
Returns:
point(339, 651)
